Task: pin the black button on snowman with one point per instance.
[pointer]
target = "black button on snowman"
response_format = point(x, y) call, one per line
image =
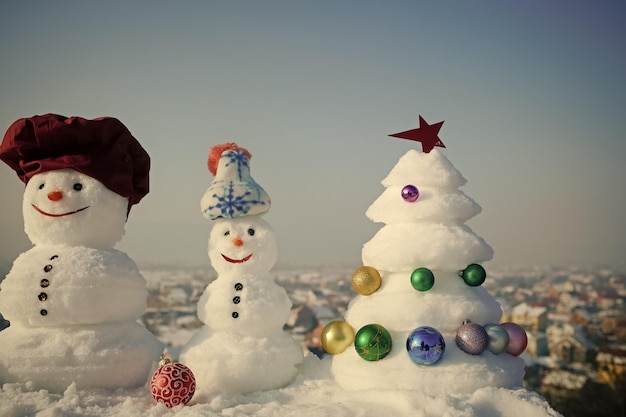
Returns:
point(237, 299)
point(45, 283)
point(242, 346)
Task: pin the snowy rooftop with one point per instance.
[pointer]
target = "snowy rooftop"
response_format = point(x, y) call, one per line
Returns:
point(529, 311)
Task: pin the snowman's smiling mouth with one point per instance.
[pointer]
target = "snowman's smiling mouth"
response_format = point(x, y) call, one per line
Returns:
point(60, 214)
point(236, 261)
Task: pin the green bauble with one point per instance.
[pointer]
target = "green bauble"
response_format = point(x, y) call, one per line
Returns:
point(372, 342)
point(474, 275)
point(422, 279)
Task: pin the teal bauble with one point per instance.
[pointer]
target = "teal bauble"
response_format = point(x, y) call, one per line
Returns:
point(372, 342)
point(422, 279)
point(498, 338)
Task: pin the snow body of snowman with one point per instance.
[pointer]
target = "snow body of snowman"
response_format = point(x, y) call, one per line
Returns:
point(73, 301)
point(242, 346)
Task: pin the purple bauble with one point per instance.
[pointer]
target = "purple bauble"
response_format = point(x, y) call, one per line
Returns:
point(425, 345)
point(518, 338)
point(472, 338)
point(410, 193)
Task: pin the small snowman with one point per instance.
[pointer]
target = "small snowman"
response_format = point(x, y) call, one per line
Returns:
point(73, 301)
point(242, 346)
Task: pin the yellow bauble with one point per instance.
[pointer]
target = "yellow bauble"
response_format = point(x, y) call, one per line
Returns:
point(366, 280)
point(337, 336)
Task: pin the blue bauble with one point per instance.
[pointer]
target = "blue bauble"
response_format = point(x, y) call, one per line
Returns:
point(425, 345)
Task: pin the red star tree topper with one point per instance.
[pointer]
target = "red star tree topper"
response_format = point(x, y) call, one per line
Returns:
point(426, 134)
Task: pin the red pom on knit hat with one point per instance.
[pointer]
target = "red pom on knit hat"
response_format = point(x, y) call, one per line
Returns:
point(217, 151)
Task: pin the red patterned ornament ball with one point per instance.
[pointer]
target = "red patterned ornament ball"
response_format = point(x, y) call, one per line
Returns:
point(173, 384)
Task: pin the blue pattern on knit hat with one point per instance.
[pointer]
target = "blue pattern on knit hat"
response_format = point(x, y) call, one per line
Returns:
point(234, 193)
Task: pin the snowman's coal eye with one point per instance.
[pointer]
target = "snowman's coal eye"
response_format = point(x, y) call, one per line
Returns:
point(226, 233)
point(41, 186)
point(78, 186)
point(251, 232)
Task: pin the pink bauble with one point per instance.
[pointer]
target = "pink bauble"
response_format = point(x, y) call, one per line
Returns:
point(173, 384)
point(518, 338)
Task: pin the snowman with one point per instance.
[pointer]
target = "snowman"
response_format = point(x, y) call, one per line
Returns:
point(242, 346)
point(73, 301)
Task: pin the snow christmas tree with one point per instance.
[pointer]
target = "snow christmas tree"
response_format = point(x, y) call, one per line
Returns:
point(242, 346)
point(422, 321)
point(73, 301)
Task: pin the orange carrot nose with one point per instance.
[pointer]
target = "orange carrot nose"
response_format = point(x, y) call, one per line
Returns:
point(55, 195)
point(237, 241)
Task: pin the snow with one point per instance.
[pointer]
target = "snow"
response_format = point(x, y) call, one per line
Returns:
point(105, 355)
point(95, 224)
point(524, 309)
point(388, 249)
point(82, 284)
point(565, 380)
point(437, 171)
point(313, 393)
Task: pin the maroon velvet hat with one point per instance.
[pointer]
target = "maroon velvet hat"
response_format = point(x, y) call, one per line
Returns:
point(102, 148)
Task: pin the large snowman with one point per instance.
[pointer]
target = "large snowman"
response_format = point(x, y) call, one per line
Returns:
point(242, 346)
point(73, 300)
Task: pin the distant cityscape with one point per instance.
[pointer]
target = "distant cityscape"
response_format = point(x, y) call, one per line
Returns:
point(575, 320)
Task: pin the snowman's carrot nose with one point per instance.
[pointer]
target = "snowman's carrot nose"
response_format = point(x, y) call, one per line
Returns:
point(55, 195)
point(237, 241)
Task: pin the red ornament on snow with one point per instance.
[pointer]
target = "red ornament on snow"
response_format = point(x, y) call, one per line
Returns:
point(173, 383)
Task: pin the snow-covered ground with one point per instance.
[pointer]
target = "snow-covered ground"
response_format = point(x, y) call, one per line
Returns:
point(313, 393)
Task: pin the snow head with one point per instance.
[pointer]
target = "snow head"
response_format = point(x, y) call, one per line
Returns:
point(67, 207)
point(243, 245)
point(82, 176)
point(240, 241)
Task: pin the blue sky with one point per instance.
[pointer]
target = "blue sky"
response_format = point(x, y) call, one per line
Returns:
point(533, 95)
